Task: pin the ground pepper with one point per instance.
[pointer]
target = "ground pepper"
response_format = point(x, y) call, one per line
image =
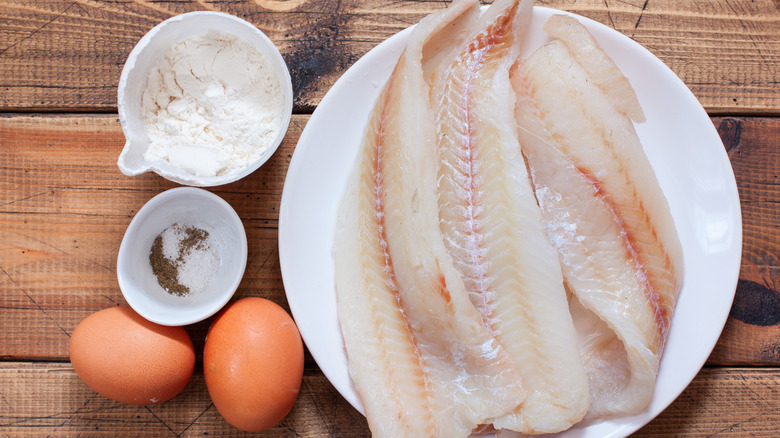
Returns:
point(167, 269)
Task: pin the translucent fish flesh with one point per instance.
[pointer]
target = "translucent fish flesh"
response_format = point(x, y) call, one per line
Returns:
point(599, 66)
point(493, 227)
point(420, 358)
point(608, 218)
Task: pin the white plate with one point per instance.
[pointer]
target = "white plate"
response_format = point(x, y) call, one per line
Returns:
point(679, 139)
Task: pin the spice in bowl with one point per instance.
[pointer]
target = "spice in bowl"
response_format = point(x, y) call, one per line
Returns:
point(210, 263)
point(184, 259)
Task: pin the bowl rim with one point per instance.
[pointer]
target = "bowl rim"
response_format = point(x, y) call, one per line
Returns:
point(217, 300)
point(184, 178)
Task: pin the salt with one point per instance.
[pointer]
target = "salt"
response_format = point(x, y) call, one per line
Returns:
point(185, 259)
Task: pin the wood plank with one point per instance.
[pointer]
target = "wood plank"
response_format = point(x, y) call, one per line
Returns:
point(59, 55)
point(752, 332)
point(723, 402)
point(50, 399)
point(64, 207)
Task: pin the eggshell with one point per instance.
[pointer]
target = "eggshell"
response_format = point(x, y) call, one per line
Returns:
point(126, 358)
point(253, 363)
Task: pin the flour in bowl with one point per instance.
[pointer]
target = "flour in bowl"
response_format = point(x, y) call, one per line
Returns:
point(212, 105)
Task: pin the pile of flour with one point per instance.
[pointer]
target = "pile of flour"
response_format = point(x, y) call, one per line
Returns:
point(212, 105)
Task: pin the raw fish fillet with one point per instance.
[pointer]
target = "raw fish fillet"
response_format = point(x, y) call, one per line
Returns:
point(492, 225)
point(599, 66)
point(608, 218)
point(420, 358)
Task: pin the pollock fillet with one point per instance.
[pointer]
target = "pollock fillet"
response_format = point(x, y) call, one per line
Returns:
point(419, 356)
point(600, 67)
point(493, 227)
point(606, 215)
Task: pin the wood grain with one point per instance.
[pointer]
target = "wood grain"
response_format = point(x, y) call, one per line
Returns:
point(62, 55)
point(50, 399)
point(723, 402)
point(64, 207)
point(752, 332)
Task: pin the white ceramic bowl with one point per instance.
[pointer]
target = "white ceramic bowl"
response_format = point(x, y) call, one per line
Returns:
point(182, 205)
point(145, 56)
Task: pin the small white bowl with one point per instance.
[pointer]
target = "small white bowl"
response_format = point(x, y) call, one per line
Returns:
point(185, 206)
point(144, 57)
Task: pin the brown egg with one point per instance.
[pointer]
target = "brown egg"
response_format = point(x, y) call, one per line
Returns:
point(253, 363)
point(126, 358)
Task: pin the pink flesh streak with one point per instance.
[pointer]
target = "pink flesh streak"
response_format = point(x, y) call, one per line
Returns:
point(379, 208)
point(661, 314)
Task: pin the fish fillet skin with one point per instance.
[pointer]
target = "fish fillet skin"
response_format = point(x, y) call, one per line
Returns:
point(600, 67)
point(418, 354)
point(493, 227)
point(607, 216)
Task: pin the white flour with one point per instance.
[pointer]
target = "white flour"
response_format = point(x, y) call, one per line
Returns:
point(212, 105)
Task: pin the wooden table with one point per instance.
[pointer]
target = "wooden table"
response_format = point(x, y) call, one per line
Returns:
point(64, 205)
